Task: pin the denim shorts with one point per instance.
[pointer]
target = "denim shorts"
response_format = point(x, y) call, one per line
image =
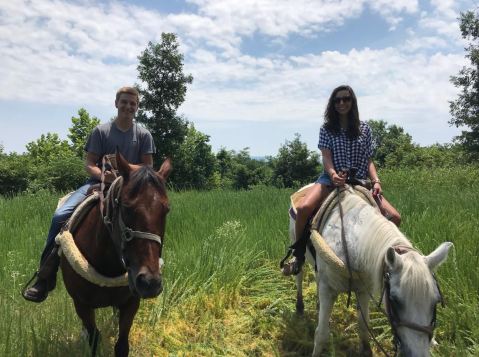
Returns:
point(324, 178)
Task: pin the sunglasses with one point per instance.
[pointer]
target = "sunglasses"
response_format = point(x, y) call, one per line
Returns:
point(345, 99)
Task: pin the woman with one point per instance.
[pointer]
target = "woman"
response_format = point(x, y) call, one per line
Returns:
point(344, 142)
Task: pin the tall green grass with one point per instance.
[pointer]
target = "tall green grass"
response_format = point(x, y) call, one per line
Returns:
point(224, 295)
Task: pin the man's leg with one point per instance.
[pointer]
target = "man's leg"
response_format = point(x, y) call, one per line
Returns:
point(39, 291)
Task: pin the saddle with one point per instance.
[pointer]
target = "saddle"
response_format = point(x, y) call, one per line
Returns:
point(298, 249)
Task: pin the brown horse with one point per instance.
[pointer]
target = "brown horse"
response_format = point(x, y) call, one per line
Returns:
point(139, 206)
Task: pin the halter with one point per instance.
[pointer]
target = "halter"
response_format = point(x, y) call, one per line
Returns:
point(126, 234)
point(393, 316)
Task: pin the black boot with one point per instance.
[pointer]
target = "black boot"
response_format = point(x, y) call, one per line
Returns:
point(38, 292)
point(46, 278)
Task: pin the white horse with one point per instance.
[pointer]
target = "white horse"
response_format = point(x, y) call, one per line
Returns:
point(371, 242)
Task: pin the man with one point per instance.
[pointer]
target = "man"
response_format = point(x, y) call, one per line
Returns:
point(136, 146)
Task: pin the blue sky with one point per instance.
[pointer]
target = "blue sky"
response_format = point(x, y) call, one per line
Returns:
point(263, 69)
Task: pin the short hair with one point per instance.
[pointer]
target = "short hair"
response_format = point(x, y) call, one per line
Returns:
point(128, 90)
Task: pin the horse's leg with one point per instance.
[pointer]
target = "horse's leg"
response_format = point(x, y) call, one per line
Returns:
point(299, 294)
point(326, 300)
point(127, 313)
point(87, 316)
point(363, 300)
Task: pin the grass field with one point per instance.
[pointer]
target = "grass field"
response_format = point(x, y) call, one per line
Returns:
point(224, 295)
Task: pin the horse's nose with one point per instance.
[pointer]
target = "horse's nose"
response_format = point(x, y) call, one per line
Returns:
point(148, 287)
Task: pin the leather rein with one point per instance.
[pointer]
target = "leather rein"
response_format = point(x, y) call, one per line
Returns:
point(114, 216)
point(389, 311)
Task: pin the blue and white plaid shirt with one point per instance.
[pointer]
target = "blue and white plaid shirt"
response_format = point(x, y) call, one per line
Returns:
point(347, 152)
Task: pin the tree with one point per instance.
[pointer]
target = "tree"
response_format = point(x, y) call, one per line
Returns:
point(390, 143)
point(161, 71)
point(14, 173)
point(80, 130)
point(465, 109)
point(196, 163)
point(295, 164)
point(48, 147)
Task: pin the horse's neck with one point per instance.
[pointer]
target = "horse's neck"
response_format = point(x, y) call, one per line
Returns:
point(95, 243)
point(372, 235)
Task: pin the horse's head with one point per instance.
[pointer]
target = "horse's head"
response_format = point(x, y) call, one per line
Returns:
point(410, 297)
point(139, 224)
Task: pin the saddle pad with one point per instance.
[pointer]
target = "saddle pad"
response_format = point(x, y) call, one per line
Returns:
point(83, 208)
point(71, 252)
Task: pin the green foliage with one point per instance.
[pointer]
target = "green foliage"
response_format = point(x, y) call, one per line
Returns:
point(47, 148)
point(295, 164)
point(195, 164)
point(394, 148)
point(239, 171)
point(162, 91)
point(465, 109)
point(80, 130)
point(51, 163)
point(14, 172)
point(61, 173)
point(390, 143)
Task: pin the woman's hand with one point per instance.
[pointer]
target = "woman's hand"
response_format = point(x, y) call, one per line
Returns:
point(377, 190)
point(337, 180)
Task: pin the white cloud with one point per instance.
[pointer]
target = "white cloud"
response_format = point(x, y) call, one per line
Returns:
point(64, 52)
point(422, 43)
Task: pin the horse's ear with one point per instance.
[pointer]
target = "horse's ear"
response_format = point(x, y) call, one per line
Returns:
point(165, 169)
point(393, 259)
point(123, 167)
point(439, 256)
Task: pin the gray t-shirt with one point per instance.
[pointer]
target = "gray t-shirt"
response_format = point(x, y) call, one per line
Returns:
point(133, 143)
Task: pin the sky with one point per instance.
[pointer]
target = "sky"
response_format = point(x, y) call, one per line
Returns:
point(263, 69)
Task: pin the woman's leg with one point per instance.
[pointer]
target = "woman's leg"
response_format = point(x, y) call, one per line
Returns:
point(396, 217)
point(303, 211)
point(307, 206)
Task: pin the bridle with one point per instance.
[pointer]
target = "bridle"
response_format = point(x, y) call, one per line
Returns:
point(114, 216)
point(389, 311)
point(393, 317)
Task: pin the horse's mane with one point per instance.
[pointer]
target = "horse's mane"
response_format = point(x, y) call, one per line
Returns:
point(145, 175)
point(375, 236)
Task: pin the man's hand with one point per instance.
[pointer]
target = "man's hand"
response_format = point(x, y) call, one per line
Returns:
point(112, 158)
point(109, 176)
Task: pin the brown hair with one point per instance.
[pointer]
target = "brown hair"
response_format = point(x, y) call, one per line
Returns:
point(128, 90)
point(331, 117)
